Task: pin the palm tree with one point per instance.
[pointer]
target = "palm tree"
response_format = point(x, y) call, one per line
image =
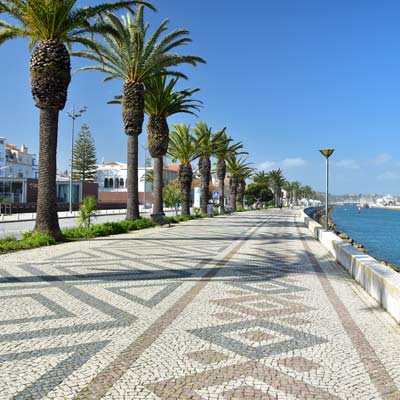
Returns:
point(161, 101)
point(296, 187)
point(208, 144)
point(227, 149)
point(261, 178)
point(277, 181)
point(51, 26)
point(128, 55)
point(289, 191)
point(246, 174)
point(182, 148)
point(237, 169)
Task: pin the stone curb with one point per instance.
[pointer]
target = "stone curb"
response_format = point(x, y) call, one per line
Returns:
point(380, 282)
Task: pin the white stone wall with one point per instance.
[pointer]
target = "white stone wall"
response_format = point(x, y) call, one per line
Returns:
point(381, 282)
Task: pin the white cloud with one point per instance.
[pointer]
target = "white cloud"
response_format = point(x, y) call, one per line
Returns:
point(293, 162)
point(350, 164)
point(388, 176)
point(266, 165)
point(381, 158)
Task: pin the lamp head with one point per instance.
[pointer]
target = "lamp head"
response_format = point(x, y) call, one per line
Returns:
point(327, 152)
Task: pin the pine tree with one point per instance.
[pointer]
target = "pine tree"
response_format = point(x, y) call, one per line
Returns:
point(84, 155)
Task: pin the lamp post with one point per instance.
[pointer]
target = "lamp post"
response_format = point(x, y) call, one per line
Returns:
point(73, 115)
point(327, 153)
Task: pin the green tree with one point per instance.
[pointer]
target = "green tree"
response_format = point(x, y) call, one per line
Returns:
point(258, 192)
point(129, 55)
point(84, 160)
point(50, 26)
point(182, 147)
point(226, 150)
point(162, 101)
point(208, 145)
point(296, 187)
point(237, 168)
point(277, 181)
point(261, 177)
point(172, 195)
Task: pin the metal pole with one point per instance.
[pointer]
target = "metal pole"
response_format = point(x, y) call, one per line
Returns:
point(326, 193)
point(72, 159)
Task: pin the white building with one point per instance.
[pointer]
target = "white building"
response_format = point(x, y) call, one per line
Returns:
point(111, 178)
point(3, 156)
point(19, 162)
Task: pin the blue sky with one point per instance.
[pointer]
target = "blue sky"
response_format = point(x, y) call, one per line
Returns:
point(286, 77)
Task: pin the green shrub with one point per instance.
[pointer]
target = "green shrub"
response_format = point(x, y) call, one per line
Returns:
point(87, 211)
point(29, 240)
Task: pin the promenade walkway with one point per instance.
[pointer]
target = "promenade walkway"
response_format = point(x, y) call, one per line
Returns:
point(239, 307)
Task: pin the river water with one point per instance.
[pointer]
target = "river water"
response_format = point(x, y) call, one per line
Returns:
point(377, 229)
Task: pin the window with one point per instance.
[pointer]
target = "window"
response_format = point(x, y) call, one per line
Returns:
point(111, 183)
point(116, 183)
point(121, 182)
point(106, 182)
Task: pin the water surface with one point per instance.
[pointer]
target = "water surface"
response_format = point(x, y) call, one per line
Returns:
point(377, 229)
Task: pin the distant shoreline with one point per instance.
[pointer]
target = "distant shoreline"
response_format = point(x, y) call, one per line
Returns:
point(397, 208)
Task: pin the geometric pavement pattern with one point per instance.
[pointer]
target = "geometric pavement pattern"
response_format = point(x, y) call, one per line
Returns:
point(236, 307)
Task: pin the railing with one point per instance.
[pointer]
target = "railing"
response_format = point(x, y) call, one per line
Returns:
point(5, 209)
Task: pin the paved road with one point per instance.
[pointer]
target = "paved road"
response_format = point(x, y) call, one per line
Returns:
point(240, 307)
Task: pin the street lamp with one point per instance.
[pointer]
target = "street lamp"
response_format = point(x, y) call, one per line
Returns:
point(73, 115)
point(327, 153)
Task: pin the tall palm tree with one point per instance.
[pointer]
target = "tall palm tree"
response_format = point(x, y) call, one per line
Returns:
point(161, 101)
point(51, 26)
point(132, 57)
point(227, 149)
point(289, 191)
point(208, 144)
point(237, 169)
point(182, 148)
point(277, 181)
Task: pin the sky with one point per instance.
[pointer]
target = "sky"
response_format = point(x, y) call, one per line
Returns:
point(286, 77)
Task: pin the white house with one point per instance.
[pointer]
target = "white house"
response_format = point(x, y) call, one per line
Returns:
point(111, 178)
point(19, 162)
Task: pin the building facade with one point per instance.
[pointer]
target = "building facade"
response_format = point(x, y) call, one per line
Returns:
point(111, 179)
point(19, 163)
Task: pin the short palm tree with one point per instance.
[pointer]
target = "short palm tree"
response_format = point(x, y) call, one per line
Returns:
point(277, 181)
point(130, 56)
point(237, 169)
point(161, 101)
point(208, 145)
point(261, 178)
point(227, 149)
point(182, 148)
point(50, 26)
point(296, 187)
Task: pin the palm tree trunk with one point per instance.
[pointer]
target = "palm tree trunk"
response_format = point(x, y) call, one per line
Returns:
point(205, 172)
point(221, 172)
point(47, 217)
point(158, 185)
point(233, 187)
point(132, 206)
point(185, 178)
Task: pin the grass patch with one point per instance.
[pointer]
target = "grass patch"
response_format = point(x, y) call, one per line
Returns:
point(32, 240)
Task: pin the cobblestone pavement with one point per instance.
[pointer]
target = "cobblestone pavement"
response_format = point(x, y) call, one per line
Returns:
point(240, 307)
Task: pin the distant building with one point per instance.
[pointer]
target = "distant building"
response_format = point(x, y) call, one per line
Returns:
point(19, 163)
point(111, 178)
point(3, 156)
